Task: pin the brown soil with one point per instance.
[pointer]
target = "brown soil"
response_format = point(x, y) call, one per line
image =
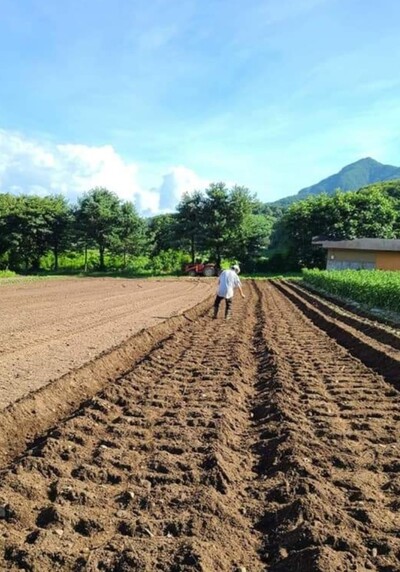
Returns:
point(374, 345)
point(254, 444)
point(50, 327)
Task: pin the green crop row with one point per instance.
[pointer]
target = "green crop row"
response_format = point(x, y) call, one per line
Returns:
point(374, 288)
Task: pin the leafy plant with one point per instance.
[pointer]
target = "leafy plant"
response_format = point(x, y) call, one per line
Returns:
point(374, 288)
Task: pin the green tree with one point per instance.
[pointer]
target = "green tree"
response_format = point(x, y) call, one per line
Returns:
point(254, 239)
point(98, 217)
point(29, 231)
point(217, 220)
point(299, 224)
point(366, 213)
point(190, 222)
point(223, 222)
point(249, 233)
point(129, 236)
point(162, 232)
point(7, 206)
point(59, 219)
point(229, 226)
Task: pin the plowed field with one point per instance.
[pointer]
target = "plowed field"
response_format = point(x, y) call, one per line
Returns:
point(49, 327)
point(267, 442)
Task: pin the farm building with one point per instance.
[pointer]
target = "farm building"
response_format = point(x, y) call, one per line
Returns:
point(368, 253)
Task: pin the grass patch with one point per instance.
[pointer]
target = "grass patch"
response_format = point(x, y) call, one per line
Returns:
point(7, 274)
point(272, 275)
point(21, 278)
point(7, 277)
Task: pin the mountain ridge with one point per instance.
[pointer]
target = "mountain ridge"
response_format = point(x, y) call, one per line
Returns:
point(350, 178)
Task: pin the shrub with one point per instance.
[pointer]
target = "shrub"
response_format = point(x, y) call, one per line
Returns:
point(7, 274)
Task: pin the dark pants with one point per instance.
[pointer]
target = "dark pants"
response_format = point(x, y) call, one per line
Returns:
point(228, 306)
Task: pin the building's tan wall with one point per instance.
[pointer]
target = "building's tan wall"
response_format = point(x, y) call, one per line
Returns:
point(352, 255)
point(340, 259)
point(388, 260)
point(353, 259)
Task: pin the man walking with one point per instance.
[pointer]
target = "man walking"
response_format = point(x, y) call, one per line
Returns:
point(227, 282)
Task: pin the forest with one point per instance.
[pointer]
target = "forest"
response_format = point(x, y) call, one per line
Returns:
point(220, 224)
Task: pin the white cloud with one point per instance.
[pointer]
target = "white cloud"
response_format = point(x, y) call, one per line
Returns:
point(85, 167)
point(177, 182)
point(33, 167)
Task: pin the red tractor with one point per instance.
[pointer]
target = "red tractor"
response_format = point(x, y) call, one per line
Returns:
point(200, 269)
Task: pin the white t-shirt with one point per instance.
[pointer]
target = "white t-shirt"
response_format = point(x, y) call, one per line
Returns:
point(228, 280)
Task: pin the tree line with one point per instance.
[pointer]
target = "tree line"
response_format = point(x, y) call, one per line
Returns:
point(370, 212)
point(218, 223)
point(33, 226)
point(100, 231)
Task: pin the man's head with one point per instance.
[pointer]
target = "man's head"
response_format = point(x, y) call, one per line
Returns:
point(236, 268)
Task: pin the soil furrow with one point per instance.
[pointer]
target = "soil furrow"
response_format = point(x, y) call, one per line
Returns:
point(258, 444)
point(372, 329)
point(166, 449)
point(381, 358)
point(331, 453)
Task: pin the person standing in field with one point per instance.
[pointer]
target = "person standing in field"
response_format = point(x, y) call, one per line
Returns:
point(227, 282)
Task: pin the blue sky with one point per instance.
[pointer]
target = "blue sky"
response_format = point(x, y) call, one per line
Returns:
point(154, 98)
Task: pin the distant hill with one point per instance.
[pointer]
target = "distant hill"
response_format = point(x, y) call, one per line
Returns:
point(350, 178)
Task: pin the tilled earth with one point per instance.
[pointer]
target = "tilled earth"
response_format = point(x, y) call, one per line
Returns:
point(50, 327)
point(260, 443)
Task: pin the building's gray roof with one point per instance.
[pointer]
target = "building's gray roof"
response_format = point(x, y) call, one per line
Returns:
point(384, 244)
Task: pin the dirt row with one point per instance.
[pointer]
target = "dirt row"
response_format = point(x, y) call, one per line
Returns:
point(371, 315)
point(249, 445)
point(368, 325)
point(341, 451)
point(377, 346)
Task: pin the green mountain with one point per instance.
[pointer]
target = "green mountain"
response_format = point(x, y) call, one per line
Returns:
point(350, 178)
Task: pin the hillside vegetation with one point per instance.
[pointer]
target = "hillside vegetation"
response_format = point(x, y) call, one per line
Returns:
point(373, 212)
point(350, 178)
